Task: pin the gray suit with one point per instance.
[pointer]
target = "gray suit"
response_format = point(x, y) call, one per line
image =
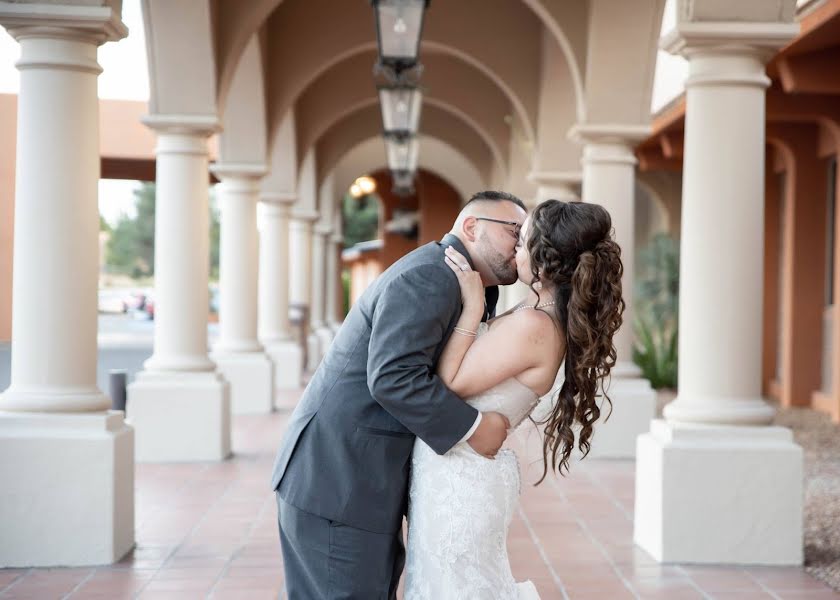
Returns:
point(341, 473)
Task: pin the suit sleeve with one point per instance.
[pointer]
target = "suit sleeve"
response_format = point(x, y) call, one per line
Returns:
point(408, 325)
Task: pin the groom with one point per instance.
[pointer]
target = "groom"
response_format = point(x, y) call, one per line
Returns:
point(341, 474)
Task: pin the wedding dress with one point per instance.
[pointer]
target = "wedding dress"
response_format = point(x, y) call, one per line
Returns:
point(459, 510)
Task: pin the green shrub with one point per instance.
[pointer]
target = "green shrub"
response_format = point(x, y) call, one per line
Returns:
point(657, 312)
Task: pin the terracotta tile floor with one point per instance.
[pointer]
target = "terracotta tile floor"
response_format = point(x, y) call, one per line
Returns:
point(209, 531)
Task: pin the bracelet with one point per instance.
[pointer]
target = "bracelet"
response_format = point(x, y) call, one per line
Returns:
point(466, 332)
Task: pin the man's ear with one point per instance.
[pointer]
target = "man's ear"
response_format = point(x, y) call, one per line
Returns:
point(469, 228)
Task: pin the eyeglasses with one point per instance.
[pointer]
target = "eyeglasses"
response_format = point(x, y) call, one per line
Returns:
point(517, 227)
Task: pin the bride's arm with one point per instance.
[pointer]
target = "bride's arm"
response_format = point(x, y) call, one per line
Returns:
point(517, 343)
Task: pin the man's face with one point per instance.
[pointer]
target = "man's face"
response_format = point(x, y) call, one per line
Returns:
point(496, 242)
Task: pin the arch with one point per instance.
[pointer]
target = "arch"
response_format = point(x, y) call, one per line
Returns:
point(301, 48)
point(440, 158)
point(447, 83)
point(182, 77)
point(364, 122)
point(234, 29)
point(571, 38)
point(244, 135)
point(623, 40)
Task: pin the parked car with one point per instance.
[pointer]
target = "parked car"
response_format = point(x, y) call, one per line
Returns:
point(141, 304)
point(112, 302)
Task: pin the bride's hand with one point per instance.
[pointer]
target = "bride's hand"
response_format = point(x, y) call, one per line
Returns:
point(472, 288)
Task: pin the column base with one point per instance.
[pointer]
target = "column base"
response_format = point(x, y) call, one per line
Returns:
point(287, 357)
point(313, 352)
point(67, 493)
point(719, 494)
point(180, 416)
point(633, 408)
point(251, 379)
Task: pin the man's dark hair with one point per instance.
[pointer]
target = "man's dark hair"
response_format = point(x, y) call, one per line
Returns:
point(493, 196)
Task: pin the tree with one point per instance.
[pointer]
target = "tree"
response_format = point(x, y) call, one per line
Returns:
point(361, 219)
point(131, 248)
point(215, 231)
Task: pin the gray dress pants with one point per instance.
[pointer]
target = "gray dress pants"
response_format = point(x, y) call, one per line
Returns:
point(327, 560)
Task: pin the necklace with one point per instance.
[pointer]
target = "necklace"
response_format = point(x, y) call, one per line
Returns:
point(543, 305)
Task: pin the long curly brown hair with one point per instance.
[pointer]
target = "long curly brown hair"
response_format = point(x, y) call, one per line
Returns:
point(571, 245)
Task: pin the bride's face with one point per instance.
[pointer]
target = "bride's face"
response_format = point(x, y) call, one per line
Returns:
point(523, 259)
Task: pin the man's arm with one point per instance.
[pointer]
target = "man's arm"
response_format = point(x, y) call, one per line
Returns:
point(409, 323)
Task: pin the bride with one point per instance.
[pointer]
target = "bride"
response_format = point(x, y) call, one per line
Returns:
point(461, 503)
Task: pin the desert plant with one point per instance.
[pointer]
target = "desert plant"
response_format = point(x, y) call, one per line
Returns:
point(657, 312)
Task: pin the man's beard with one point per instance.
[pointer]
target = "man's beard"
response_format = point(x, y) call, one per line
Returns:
point(503, 268)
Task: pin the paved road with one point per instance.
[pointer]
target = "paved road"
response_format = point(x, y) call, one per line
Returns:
point(124, 343)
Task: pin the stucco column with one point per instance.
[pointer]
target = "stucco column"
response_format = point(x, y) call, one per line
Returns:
point(238, 354)
point(322, 249)
point(320, 236)
point(609, 179)
point(714, 482)
point(274, 286)
point(556, 185)
point(56, 435)
point(179, 404)
point(301, 231)
point(335, 291)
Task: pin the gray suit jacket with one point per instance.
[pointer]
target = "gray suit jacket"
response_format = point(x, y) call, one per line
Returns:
point(346, 452)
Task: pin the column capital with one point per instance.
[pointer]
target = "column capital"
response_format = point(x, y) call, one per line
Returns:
point(324, 229)
point(278, 198)
point(306, 215)
point(555, 178)
point(249, 171)
point(762, 38)
point(37, 19)
point(203, 125)
point(609, 133)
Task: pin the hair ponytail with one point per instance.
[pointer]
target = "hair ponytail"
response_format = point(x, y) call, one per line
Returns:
point(570, 244)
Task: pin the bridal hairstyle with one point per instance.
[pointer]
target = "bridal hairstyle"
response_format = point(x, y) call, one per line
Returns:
point(571, 245)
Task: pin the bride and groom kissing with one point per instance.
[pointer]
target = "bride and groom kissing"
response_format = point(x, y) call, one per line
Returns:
point(409, 409)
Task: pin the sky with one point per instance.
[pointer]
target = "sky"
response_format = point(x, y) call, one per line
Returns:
point(125, 77)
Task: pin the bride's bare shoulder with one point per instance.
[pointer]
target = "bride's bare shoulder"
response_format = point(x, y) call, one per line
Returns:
point(530, 326)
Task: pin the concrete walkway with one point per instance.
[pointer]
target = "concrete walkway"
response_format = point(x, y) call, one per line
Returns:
point(209, 531)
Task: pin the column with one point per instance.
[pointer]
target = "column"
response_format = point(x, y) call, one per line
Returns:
point(715, 483)
point(335, 287)
point(179, 404)
point(238, 355)
point(301, 228)
point(609, 179)
point(274, 329)
point(323, 279)
point(68, 466)
point(556, 185)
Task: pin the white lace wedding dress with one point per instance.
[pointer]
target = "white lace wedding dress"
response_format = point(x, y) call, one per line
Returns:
point(459, 510)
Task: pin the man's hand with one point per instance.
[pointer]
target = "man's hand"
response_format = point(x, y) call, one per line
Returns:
point(490, 435)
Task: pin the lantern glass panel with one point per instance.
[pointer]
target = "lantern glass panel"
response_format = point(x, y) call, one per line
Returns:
point(400, 108)
point(399, 24)
point(402, 153)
